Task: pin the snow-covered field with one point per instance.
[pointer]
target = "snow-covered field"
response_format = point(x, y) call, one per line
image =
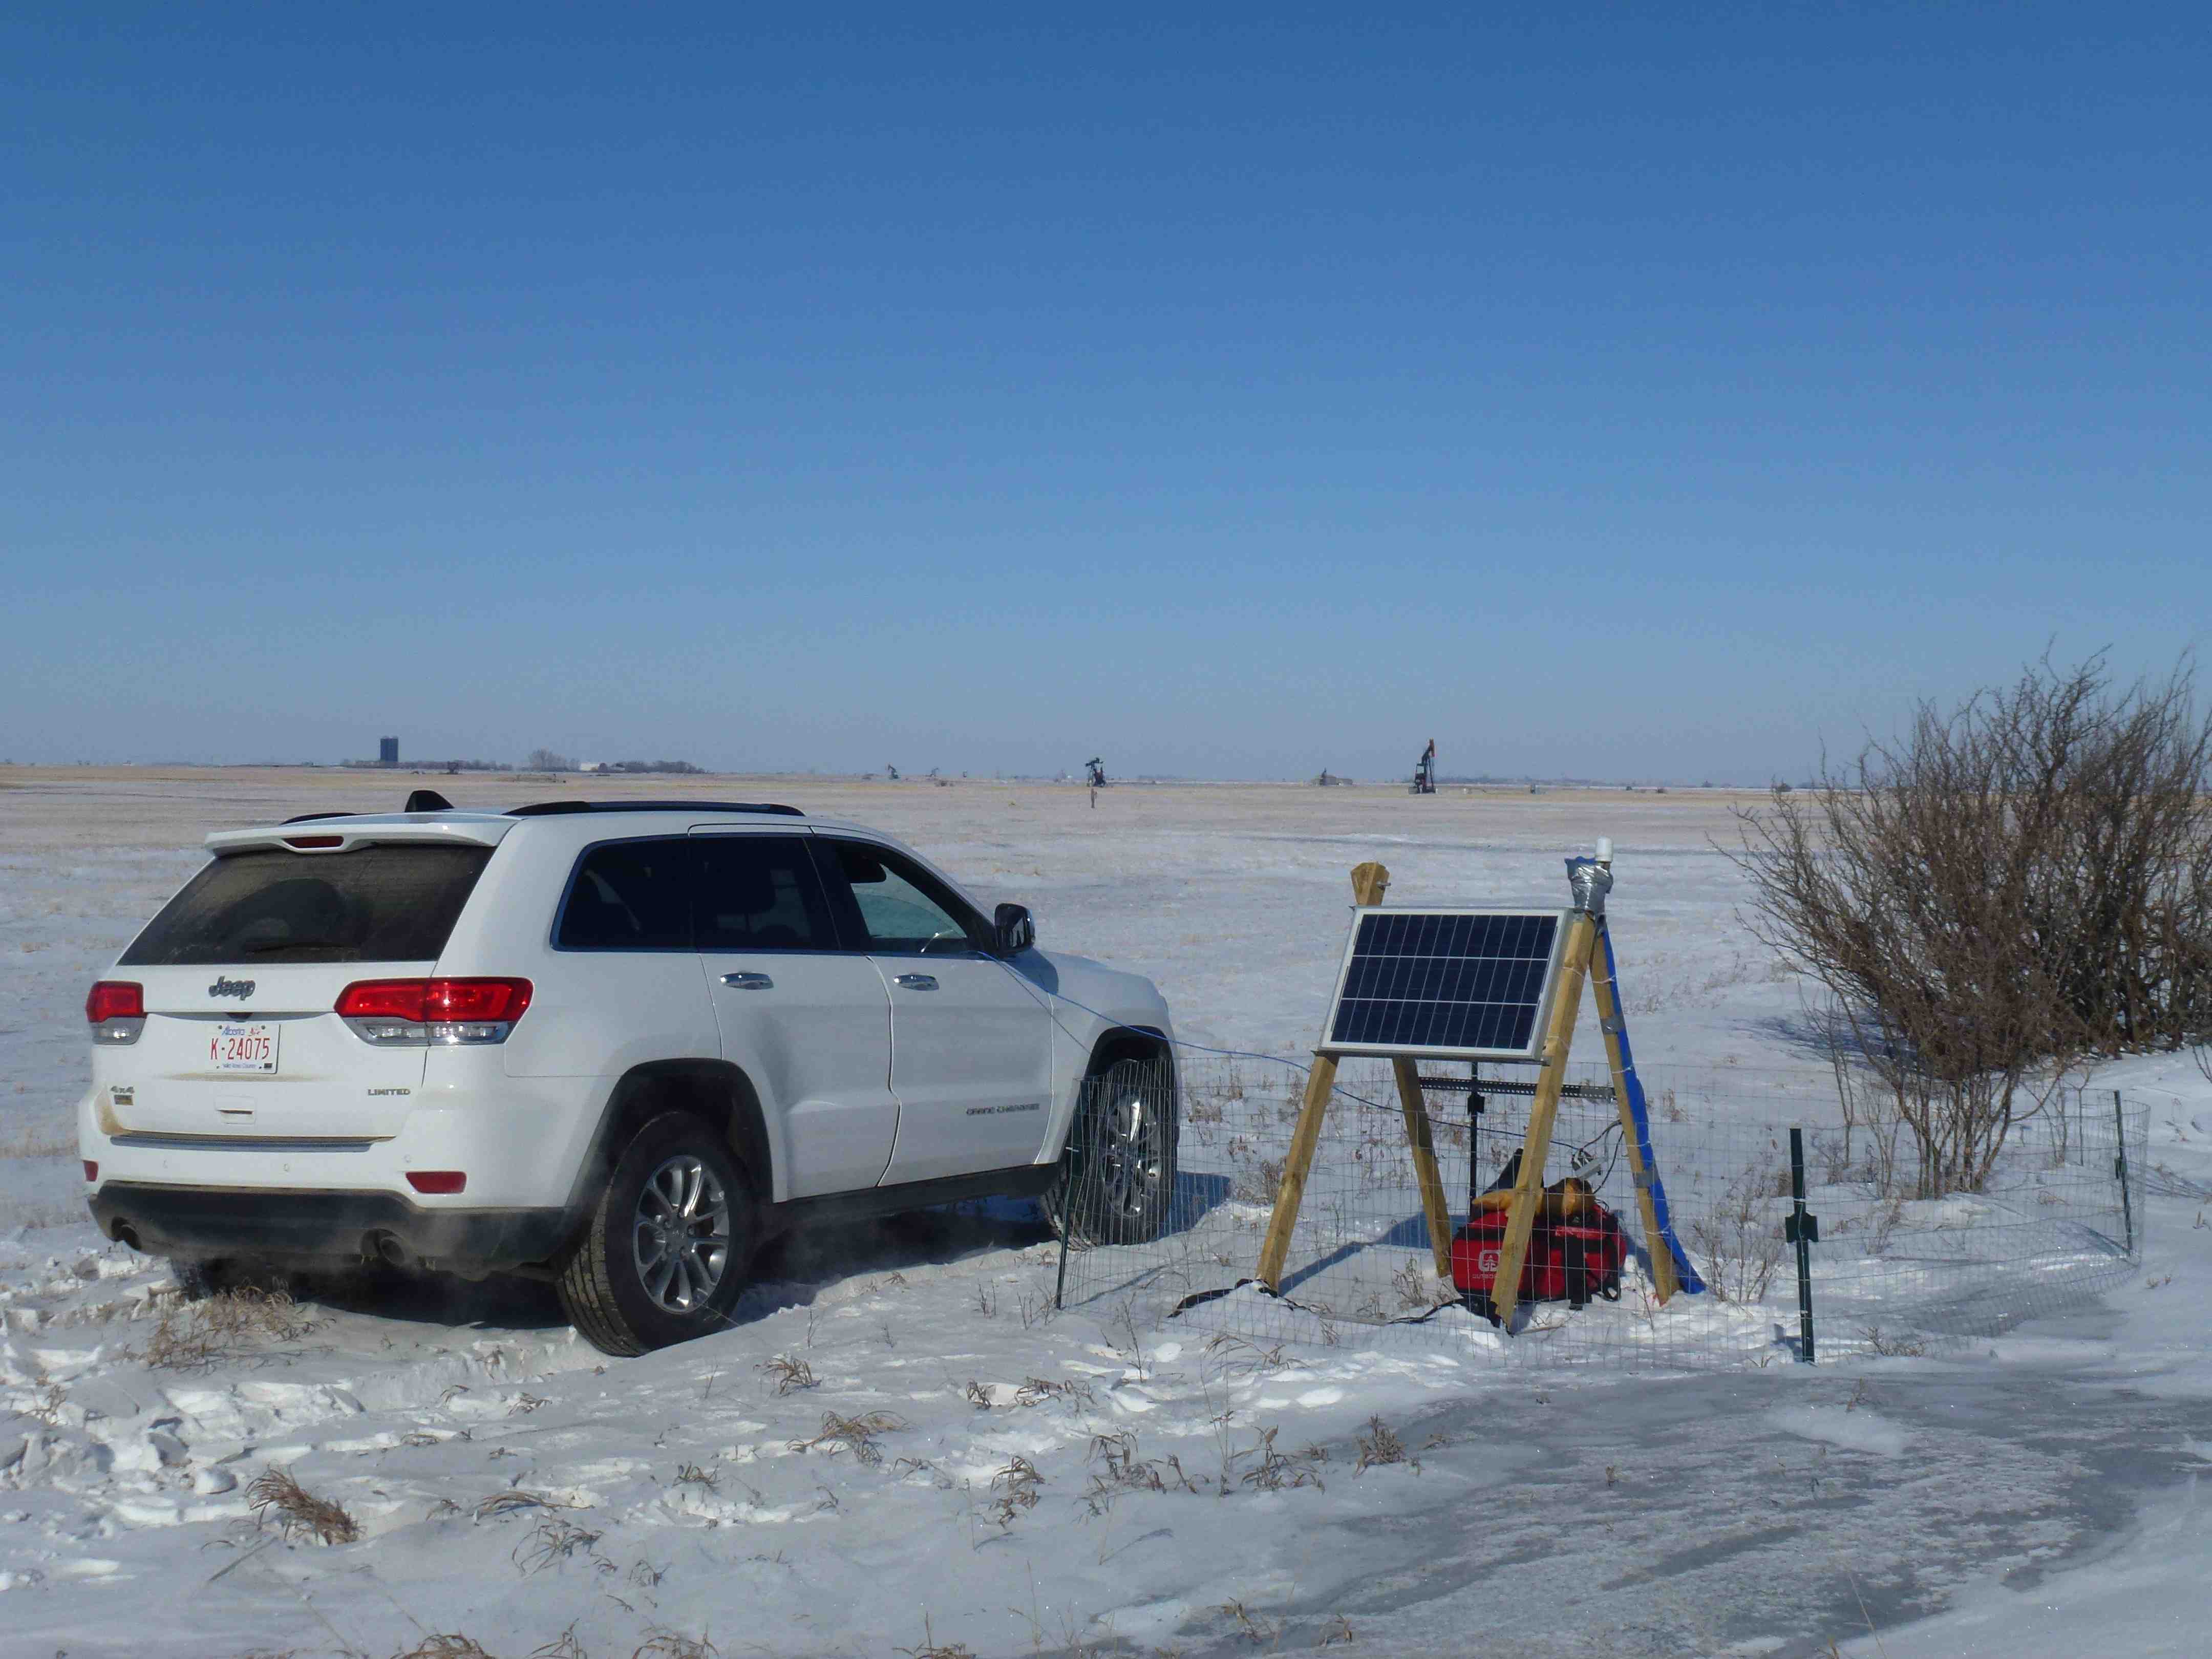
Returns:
point(900, 1447)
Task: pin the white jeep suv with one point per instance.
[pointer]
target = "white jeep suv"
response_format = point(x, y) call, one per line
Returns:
point(615, 1045)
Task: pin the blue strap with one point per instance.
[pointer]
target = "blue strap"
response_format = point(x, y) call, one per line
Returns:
point(1683, 1271)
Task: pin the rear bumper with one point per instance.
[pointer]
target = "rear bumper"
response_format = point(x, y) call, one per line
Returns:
point(204, 1223)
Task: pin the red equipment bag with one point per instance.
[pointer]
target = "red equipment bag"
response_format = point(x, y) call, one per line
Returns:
point(1568, 1260)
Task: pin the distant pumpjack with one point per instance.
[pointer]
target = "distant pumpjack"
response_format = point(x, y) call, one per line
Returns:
point(1098, 772)
point(1424, 772)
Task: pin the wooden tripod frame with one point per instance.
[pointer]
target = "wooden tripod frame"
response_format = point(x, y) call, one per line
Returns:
point(1582, 960)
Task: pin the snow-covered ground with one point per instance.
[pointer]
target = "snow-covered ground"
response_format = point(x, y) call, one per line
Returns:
point(940, 1459)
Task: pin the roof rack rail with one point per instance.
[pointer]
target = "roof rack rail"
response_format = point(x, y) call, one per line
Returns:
point(546, 809)
point(311, 817)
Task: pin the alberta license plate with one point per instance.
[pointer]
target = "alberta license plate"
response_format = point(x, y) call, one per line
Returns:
point(243, 1048)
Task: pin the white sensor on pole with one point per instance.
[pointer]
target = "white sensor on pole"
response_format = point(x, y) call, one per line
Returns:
point(1605, 850)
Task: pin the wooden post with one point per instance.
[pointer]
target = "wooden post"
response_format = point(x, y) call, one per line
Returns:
point(1528, 1190)
point(1369, 883)
point(1426, 1173)
point(1607, 997)
point(1275, 1249)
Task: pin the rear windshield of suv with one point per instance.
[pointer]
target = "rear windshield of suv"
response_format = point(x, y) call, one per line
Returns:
point(389, 904)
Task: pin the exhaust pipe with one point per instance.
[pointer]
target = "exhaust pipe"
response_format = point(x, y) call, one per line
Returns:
point(386, 1247)
point(124, 1233)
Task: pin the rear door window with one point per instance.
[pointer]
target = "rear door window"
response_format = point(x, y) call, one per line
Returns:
point(377, 903)
point(628, 895)
point(760, 893)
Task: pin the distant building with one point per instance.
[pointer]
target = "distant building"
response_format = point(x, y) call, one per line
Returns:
point(388, 751)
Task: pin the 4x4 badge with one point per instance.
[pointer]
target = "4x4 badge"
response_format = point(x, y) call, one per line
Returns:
point(231, 988)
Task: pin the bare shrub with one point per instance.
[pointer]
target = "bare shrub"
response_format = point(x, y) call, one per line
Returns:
point(1739, 1237)
point(299, 1512)
point(2011, 885)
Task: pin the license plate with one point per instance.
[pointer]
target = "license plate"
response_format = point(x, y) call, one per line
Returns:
point(243, 1048)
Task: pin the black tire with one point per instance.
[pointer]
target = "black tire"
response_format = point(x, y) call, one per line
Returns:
point(646, 1271)
point(1118, 1172)
point(196, 1280)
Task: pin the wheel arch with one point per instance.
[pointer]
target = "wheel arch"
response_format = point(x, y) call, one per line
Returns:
point(714, 1091)
point(1131, 1043)
point(1115, 1042)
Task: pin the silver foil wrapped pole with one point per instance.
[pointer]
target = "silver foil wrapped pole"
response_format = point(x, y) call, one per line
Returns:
point(1590, 882)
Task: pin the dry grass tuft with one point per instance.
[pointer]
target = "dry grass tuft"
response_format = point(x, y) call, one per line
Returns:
point(1014, 1489)
point(1276, 1471)
point(513, 1500)
point(35, 1143)
point(550, 1543)
point(222, 1326)
point(931, 1648)
point(1035, 1391)
point(299, 1512)
point(454, 1646)
point(1119, 1469)
point(1254, 1630)
point(788, 1373)
point(669, 1644)
point(1379, 1446)
point(856, 1435)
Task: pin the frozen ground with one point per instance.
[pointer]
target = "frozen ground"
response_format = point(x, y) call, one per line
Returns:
point(1040, 1483)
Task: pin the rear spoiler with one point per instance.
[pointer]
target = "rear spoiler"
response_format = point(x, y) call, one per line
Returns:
point(342, 834)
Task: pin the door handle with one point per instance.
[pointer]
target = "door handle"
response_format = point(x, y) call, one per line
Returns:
point(748, 982)
point(917, 981)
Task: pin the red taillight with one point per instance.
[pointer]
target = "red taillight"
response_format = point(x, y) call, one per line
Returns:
point(422, 1001)
point(384, 999)
point(476, 1000)
point(114, 999)
point(91, 1170)
point(437, 1180)
point(313, 843)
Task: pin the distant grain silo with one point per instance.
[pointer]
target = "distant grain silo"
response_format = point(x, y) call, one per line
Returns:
point(388, 751)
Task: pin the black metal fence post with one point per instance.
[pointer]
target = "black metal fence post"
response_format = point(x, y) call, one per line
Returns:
point(2120, 1168)
point(1804, 1231)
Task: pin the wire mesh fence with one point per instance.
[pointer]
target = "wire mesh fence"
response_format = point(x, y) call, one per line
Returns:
point(2058, 1218)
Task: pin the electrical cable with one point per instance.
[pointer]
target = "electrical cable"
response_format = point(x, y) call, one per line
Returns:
point(1112, 1023)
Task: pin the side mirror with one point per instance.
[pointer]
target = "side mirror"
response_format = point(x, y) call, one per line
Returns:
point(1016, 929)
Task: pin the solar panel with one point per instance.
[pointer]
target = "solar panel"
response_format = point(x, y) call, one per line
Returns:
point(1448, 984)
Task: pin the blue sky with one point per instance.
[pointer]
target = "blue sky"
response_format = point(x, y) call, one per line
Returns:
point(1636, 392)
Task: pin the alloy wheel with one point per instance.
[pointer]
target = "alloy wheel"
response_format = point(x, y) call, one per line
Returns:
point(681, 1234)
